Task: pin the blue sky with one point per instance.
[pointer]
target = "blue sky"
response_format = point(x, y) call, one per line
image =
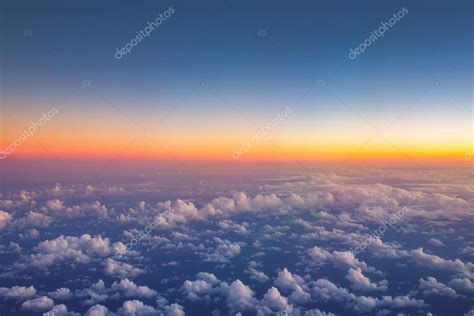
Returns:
point(217, 42)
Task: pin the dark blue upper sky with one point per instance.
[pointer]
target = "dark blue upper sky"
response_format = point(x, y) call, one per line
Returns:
point(218, 41)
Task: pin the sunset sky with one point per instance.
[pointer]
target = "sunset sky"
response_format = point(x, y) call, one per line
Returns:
point(236, 157)
point(203, 83)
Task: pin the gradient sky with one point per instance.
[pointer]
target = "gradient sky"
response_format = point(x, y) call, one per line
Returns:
point(205, 82)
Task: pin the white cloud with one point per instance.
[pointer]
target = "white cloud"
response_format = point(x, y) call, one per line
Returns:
point(130, 289)
point(120, 269)
point(201, 289)
point(61, 294)
point(317, 312)
point(275, 301)
point(174, 310)
point(96, 293)
point(225, 250)
point(431, 286)
point(19, 293)
point(80, 250)
point(436, 242)
point(462, 285)
point(136, 308)
point(98, 310)
point(362, 283)
point(240, 297)
point(340, 259)
point(60, 310)
point(5, 218)
point(256, 275)
point(419, 257)
point(39, 304)
point(294, 284)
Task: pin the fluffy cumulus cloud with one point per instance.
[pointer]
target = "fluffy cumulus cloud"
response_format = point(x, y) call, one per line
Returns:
point(326, 291)
point(39, 304)
point(275, 301)
point(421, 258)
point(256, 275)
point(60, 310)
point(100, 293)
point(202, 288)
point(61, 294)
point(120, 269)
point(79, 250)
point(240, 297)
point(98, 310)
point(294, 285)
point(174, 310)
point(362, 283)
point(19, 293)
point(5, 218)
point(130, 289)
point(436, 242)
point(137, 308)
point(339, 259)
point(224, 250)
point(96, 293)
point(431, 286)
point(463, 285)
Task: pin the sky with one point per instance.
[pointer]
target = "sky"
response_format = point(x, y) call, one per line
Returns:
point(269, 158)
point(214, 73)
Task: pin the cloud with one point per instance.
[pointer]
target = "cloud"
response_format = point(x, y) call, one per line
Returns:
point(293, 284)
point(60, 310)
point(34, 219)
point(201, 289)
point(96, 293)
point(120, 269)
point(240, 297)
point(224, 251)
point(436, 242)
point(80, 250)
point(317, 312)
point(61, 294)
point(419, 257)
point(275, 301)
point(39, 304)
point(258, 276)
point(98, 310)
point(174, 310)
point(339, 259)
point(325, 291)
point(5, 218)
point(18, 293)
point(136, 308)
point(130, 289)
point(463, 285)
point(431, 286)
point(361, 283)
